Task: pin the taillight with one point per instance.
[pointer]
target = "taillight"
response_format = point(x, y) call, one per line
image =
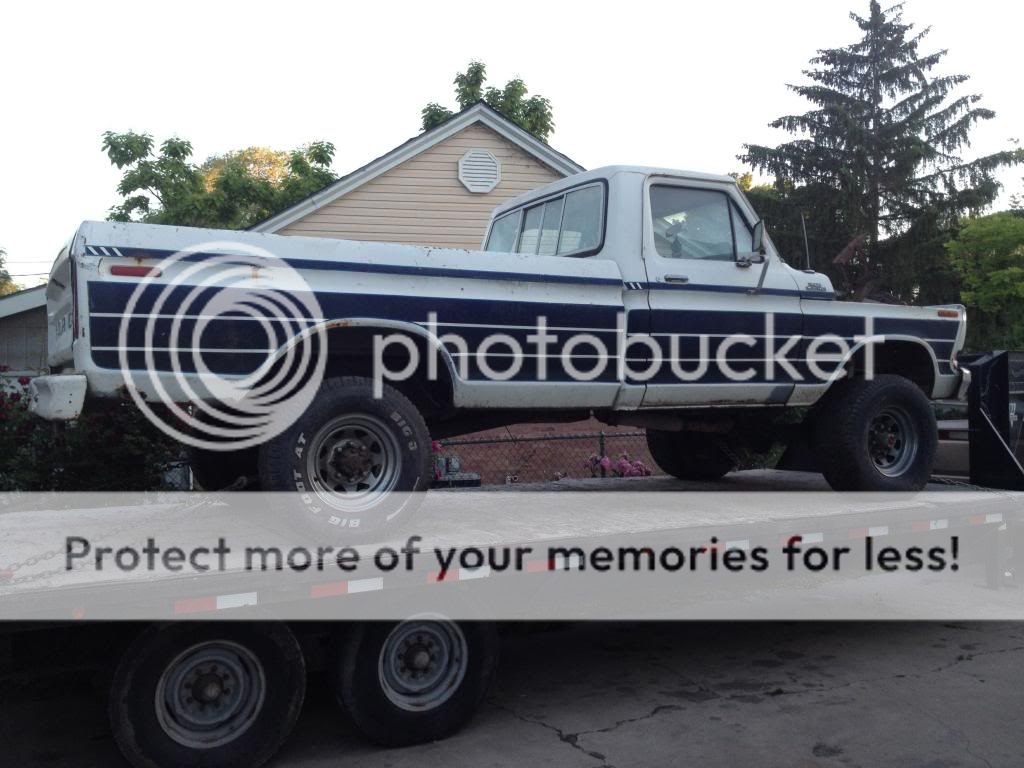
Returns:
point(130, 270)
point(953, 313)
point(73, 276)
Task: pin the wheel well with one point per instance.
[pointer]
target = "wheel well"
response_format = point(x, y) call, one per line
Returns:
point(908, 359)
point(350, 352)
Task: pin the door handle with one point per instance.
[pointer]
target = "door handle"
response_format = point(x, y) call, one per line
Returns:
point(676, 279)
point(744, 263)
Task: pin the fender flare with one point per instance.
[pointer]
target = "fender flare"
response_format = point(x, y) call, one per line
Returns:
point(413, 329)
point(882, 339)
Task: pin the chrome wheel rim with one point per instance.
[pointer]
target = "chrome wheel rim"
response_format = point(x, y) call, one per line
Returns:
point(422, 664)
point(892, 441)
point(210, 694)
point(352, 461)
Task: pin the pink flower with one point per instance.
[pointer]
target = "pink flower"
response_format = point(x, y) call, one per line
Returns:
point(435, 446)
point(24, 380)
point(605, 463)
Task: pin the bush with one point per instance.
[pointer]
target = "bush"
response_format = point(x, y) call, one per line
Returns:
point(111, 447)
point(988, 254)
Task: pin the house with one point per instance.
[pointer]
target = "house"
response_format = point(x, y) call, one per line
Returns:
point(23, 333)
point(436, 189)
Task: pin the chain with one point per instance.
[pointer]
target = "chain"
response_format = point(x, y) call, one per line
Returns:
point(7, 572)
point(954, 483)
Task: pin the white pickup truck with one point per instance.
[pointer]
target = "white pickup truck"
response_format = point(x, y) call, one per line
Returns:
point(641, 296)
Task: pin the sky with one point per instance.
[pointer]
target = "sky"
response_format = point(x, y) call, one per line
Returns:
point(681, 85)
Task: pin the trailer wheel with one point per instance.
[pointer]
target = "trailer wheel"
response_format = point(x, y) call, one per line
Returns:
point(355, 460)
point(877, 435)
point(208, 695)
point(689, 455)
point(416, 680)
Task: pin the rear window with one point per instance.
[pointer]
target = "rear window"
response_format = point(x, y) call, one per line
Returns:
point(567, 225)
point(504, 233)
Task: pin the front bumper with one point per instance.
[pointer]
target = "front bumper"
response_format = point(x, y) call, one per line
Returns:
point(59, 397)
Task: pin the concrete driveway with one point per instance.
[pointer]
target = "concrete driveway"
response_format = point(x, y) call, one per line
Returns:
point(709, 694)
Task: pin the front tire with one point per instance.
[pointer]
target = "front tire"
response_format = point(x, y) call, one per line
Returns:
point(877, 435)
point(690, 455)
point(417, 680)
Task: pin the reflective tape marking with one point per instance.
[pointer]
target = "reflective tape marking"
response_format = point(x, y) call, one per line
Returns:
point(239, 600)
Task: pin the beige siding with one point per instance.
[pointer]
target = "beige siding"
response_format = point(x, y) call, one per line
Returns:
point(422, 200)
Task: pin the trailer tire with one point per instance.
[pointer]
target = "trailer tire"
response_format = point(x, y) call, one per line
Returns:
point(171, 705)
point(381, 441)
point(689, 455)
point(417, 680)
point(877, 435)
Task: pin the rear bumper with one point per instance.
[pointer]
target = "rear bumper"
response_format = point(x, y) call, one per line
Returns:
point(59, 397)
point(965, 384)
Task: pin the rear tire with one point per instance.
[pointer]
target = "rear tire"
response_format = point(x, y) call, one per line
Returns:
point(417, 680)
point(355, 463)
point(877, 435)
point(210, 695)
point(690, 455)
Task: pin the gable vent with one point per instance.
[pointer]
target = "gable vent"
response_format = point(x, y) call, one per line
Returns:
point(479, 171)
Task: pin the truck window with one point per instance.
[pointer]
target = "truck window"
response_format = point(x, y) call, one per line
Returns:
point(504, 232)
point(564, 225)
point(531, 230)
point(691, 223)
point(741, 231)
point(549, 229)
point(581, 222)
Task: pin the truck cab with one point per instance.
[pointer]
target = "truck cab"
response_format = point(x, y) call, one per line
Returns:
point(699, 269)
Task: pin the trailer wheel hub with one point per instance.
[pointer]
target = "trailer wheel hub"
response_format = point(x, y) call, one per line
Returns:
point(422, 664)
point(210, 694)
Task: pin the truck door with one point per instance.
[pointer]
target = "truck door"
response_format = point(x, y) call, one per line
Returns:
point(716, 331)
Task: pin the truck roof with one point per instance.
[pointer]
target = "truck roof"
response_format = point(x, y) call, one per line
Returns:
point(606, 172)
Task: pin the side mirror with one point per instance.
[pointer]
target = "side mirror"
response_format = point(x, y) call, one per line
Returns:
point(757, 239)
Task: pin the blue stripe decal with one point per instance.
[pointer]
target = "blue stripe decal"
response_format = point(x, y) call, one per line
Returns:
point(113, 297)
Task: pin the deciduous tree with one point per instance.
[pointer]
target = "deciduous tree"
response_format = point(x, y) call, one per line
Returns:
point(988, 254)
point(7, 284)
point(533, 113)
point(230, 191)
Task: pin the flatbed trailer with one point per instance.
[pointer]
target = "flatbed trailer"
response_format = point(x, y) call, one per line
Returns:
point(411, 651)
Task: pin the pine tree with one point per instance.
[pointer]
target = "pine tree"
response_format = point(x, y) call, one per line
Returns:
point(883, 147)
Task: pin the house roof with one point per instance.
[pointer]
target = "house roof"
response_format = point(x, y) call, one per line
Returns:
point(478, 113)
point(22, 301)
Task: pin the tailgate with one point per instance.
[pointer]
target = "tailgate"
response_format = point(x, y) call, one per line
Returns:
point(60, 310)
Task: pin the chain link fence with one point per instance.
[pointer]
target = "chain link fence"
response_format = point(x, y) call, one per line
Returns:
point(512, 459)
